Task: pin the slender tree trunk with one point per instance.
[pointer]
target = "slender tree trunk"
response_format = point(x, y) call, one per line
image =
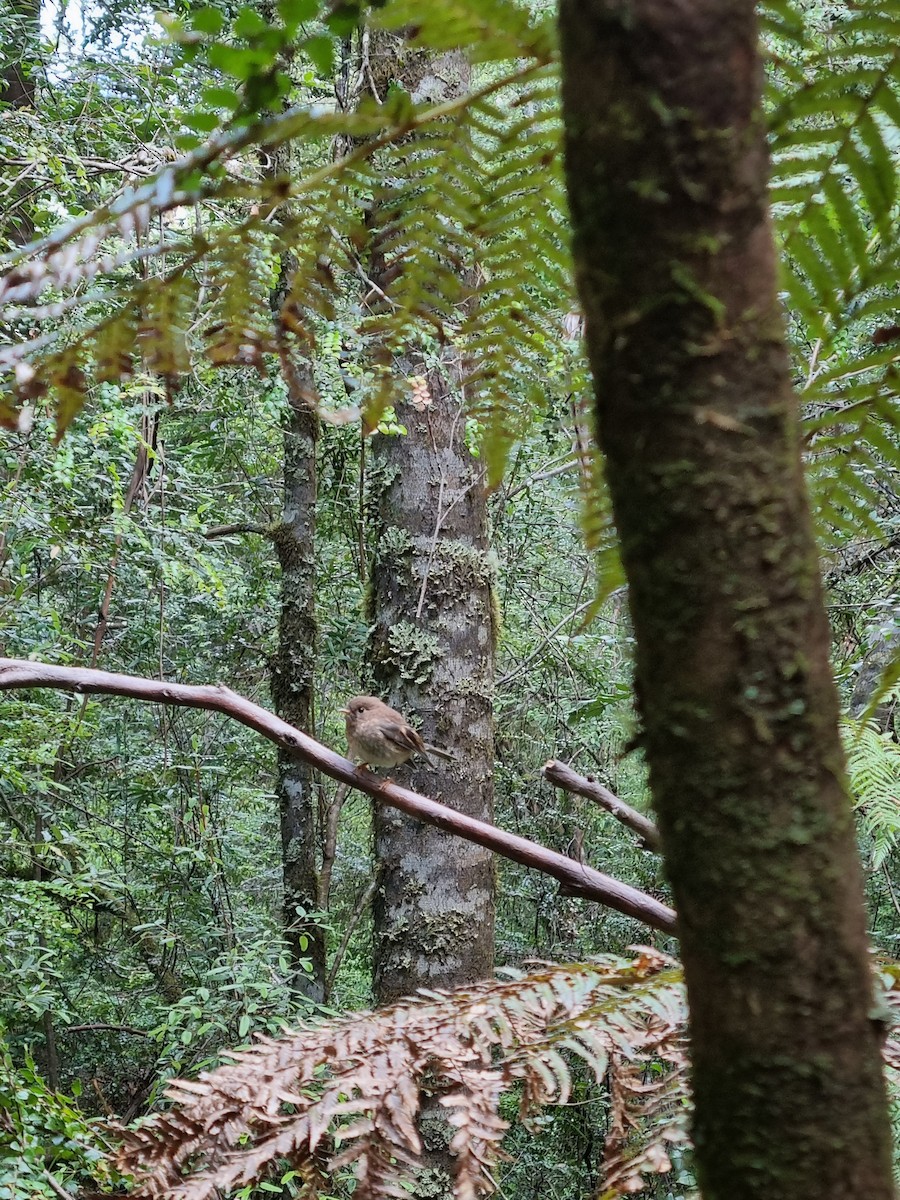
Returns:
point(292, 684)
point(293, 671)
point(16, 73)
point(51, 1052)
point(667, 172)
point(17, 61)
point(432, 639)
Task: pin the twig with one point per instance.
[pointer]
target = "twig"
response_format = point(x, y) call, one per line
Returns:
point(564, 463)
point(56, 1188)
point(548, 637)
point(365, 899)
point(217, 531)
point(100, 1025)
point(576, 879)
point(564, 777)
point(329, 845)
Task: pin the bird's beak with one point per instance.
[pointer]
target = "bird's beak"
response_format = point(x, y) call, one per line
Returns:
point(345, 711)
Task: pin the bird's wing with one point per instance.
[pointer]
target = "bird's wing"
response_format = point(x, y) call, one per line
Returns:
point(402, 735)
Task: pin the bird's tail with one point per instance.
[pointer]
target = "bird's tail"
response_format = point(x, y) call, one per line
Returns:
point(444, 754)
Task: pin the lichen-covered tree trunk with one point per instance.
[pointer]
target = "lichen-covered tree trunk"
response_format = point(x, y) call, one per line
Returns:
point(667, 170)
point(432, 654)
point(432, 641)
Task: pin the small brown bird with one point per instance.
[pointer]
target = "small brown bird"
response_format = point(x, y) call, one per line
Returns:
point(378, 736)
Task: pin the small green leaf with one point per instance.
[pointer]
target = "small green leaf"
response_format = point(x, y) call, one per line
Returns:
point(234, 61)
point(293, 12)
point(248, 23)
point(171, 24)
point(263, 91)
point(343, 19)
point(208, 20)
point(201, 120)
point(244, 1025)
point(320, 51)
point(220, 97)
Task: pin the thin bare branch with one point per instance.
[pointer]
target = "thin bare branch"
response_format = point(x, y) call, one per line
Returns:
point(562, 776)
point(329, 845)
point(359, 909)
point(217, 531)
point(97, 1026)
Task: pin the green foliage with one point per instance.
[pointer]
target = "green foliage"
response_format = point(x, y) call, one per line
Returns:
point(479, 213)
point(480, 184)
point(46, 1145)
point(252, 52)
point(873, 761)
point(159, 843)
point(835, 119)
point(244, 989)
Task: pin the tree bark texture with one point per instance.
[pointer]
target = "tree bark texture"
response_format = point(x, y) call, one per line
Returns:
point(434, 912)
point(432, 630)
point(667, 173)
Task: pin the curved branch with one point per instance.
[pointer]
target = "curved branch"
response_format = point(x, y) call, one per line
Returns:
point(562, 776)
point(217, 531)
point(575, 878)
point(97, 1026)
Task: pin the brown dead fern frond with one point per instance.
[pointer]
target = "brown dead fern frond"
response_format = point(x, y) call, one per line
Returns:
point(348, 1090)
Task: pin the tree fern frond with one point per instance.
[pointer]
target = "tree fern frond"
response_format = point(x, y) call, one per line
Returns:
point(240, 331)
point(527, 269)
point(82, 252)
point(353, 1083)
point(493, 30)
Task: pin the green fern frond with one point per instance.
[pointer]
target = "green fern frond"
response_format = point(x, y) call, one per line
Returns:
point(163, 331)
point(493, 30)
point(834, 176)
point(836, 155)
point(240, 330)
point(440, 230)
point(782, 20)
point(528, 280)
point(873, 762)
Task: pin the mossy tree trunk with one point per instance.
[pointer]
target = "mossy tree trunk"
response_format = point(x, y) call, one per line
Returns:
point(667, 172)
point(293, 670)
point(432, 639)
point(292, 686)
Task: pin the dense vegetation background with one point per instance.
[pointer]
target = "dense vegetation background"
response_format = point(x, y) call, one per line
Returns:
point(142, 865)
